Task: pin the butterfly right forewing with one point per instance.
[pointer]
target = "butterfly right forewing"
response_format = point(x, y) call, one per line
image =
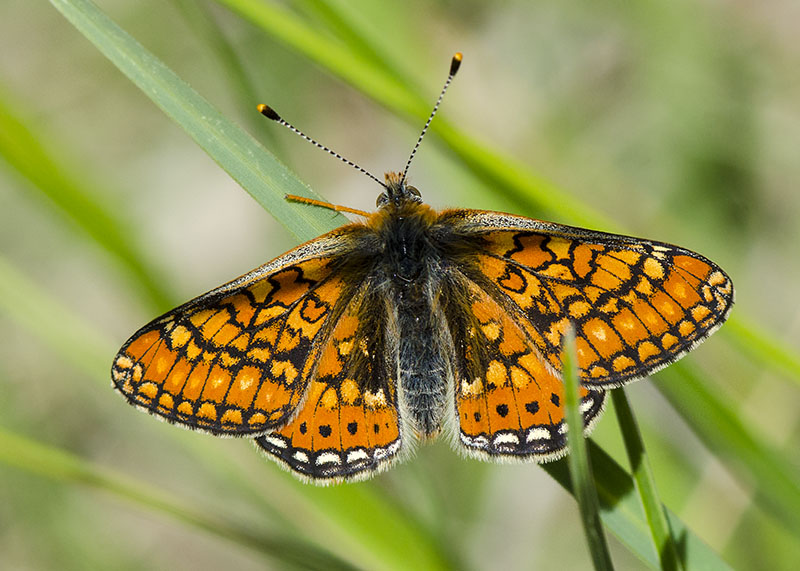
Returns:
point(238, 360)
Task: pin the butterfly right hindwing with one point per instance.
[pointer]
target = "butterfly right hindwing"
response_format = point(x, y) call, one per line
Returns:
point(349, 425)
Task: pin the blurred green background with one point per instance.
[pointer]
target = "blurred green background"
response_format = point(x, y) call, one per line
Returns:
point(677, 120)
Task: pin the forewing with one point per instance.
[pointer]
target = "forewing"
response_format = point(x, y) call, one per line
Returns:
point(509, 401)
point(238, 359)
point(349, 425)
point(637, 305)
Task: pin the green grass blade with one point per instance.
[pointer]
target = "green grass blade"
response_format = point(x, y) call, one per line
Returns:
point(777, 481)
point(580, 467)
point(386, 531)
point(45, 167)
point(249, 163)
point(241, 86)
point(72, 339)
point(762, 347)
point(645, 483)
point(342, 20)
point(286, 27)
point(507, 177)
point(621, 512)
point(51, 462)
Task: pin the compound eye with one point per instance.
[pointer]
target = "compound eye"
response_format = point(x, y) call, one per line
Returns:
point(413, 190)
point(382, 200)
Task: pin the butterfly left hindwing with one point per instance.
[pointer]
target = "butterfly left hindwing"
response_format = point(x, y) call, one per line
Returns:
point(509, 401)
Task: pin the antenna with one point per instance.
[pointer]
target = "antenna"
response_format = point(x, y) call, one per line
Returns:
point(454, 65)
point(270, 113)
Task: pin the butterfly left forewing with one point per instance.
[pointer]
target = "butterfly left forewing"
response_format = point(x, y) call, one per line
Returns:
point(637, 305)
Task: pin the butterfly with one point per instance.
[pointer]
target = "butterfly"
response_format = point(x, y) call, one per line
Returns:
point(339, 354)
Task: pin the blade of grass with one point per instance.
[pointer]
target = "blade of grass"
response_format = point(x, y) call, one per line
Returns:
point(343, 20)
point(621, 512)
point(241, 86)
point(645, 483)
point(51, 462)
point(71, 338)
point(580, 468)
point(777, 482)
point(48, 172)
point(762, 347)
point(250, 164)
point(286, 27)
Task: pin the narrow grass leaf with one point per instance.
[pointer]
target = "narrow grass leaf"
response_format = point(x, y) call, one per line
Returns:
point(776, 480)
point(342, 19)
point(248, 162)
point(579, 465)
point(334, 56)
point(507, 177)
point(621, 512)
point(762, 347)
point(241, 87)
point(645, 483)
point(30, 306)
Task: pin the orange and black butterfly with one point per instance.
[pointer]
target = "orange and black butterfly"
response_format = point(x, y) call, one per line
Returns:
point(339, 353)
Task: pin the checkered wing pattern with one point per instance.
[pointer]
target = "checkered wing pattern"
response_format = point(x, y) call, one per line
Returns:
point(637, 305)
point(237, 360)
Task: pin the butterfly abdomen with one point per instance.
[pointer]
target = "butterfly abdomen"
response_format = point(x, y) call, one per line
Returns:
point(424, 367)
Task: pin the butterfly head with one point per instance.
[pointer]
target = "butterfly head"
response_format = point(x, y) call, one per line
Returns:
point(397, 191)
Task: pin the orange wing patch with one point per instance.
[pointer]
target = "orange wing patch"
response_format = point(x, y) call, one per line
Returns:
point(509, 401)
point(349, 425)
point(637, 305)
point(236, 360)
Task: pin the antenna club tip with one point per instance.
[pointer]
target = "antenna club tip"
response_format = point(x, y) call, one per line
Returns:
point(268, 112)
point(456, 63)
